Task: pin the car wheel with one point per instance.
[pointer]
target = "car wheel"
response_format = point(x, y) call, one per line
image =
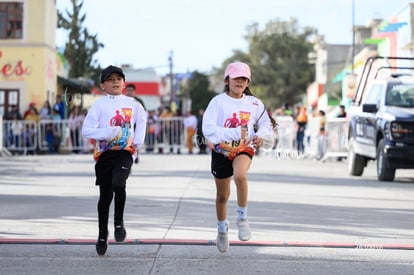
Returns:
point(383, 172)
point(356, 163)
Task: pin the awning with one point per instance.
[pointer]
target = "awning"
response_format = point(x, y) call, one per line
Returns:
point(74, 86)
point(374, 41)
point(392, 27)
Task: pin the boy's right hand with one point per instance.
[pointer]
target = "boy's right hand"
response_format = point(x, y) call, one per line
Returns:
point(113, 132)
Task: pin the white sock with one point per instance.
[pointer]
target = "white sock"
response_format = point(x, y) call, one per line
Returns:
point(222, 226)
point(241, 213)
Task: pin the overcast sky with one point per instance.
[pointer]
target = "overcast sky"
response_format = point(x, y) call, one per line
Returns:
point(200, 34)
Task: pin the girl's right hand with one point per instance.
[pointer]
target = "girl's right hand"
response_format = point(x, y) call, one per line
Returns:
point(244, 132)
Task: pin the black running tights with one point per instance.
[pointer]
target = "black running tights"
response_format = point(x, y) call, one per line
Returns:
point(104, 203)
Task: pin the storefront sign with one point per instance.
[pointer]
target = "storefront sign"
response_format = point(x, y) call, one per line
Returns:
point(12, 70)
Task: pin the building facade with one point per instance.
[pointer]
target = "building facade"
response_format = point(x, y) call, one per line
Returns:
point(28, 57)
point(383, 37)
point(147, 84)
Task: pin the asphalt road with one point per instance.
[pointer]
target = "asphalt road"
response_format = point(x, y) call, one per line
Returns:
point(307, 217)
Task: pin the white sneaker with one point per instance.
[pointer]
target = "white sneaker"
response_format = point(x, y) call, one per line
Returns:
point(222, 242)
point(244, 230)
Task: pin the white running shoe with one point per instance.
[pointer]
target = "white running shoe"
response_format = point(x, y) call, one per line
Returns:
point(222, 242)
point(244, 230)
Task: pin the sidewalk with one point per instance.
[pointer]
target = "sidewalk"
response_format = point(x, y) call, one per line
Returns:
point(298, 210)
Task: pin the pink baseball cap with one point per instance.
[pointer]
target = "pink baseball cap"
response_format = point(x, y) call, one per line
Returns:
point(238, 69)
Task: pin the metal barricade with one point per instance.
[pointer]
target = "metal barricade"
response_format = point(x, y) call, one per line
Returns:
point(53, 136)
point(283, 146)
point(337, 138)
point(167, 134)
point(44, 136)
point(285, 134)
point(67, 138)
point(3, 151)
point(20, 136)
point(312, 137)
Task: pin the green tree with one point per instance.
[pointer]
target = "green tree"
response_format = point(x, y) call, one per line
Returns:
point(198, 90)
point(278, 57)
point(81, 45)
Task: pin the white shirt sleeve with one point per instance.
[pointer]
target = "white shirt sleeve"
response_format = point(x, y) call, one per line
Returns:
point(91, 130)
point(141, 118)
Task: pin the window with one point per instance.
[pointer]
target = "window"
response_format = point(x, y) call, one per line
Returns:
point(11, 20)
point(374, 94)
point(400, 95)
point(8, 99)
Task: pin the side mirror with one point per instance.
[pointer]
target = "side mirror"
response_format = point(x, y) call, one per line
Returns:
point(369, 108)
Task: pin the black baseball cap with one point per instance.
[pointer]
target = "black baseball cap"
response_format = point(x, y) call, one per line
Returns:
point(110, 70)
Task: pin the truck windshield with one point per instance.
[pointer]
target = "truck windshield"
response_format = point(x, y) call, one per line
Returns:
point(400, 95)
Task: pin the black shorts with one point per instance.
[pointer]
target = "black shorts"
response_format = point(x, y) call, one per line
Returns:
point(222, 167)
point(113, 168)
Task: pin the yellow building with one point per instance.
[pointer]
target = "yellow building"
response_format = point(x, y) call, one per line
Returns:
point(28, 57)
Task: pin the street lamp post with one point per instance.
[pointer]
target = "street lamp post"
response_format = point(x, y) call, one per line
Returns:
point(353, 36)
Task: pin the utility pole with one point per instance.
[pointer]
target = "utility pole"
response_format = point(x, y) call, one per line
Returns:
point(170, 62)
point(353, 35)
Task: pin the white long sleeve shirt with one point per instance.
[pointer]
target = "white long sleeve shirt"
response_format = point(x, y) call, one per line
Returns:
point(225, 115)
point(110, 122)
